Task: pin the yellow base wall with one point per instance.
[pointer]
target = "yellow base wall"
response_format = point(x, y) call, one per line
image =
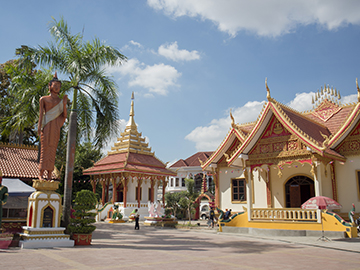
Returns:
point(330, 223)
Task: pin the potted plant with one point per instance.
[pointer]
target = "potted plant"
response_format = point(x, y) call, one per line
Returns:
point(80, 226)
point(5, 240)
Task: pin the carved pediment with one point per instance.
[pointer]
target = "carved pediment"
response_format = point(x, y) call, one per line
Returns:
point(326, 110)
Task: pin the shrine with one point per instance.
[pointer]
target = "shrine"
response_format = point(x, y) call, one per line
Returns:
point(129, 175)
point(265, 170)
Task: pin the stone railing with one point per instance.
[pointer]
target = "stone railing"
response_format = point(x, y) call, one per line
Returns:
point(131, 204)
point(284, 214)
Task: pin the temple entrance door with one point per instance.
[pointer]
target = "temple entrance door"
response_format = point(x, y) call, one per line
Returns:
point(295, 196)
point(298, 190)
point(120, 196)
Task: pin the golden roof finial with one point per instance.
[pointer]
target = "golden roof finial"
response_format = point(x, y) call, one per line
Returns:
point(132, 113)
point(267, 90)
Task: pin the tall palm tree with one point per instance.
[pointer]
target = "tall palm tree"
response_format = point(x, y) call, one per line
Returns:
point(84, 63)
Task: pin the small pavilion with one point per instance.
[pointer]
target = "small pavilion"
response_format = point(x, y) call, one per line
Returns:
point(130, 171)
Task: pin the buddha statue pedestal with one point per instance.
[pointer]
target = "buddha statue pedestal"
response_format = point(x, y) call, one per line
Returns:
point(43, 218)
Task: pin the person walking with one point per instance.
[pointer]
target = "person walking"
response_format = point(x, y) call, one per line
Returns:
point(212, 217)
point(137, 216)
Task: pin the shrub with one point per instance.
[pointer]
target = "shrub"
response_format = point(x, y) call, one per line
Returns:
point(84, 202)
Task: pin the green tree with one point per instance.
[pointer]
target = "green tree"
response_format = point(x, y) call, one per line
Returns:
point(20, 91)
point(172, 201)
point(84, 64)
point(187, 200)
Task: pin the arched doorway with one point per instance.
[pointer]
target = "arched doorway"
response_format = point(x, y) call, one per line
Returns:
point(298, 190)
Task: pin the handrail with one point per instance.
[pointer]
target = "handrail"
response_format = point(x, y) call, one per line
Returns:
point(284, 214)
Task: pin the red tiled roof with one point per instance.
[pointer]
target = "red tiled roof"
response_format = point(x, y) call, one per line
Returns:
point(307, 126)
point(129, 162)
point(193, 160)
point(19, 161)
point(336, 121)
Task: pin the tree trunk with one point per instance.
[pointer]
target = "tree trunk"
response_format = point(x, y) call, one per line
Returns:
point(189, 212)
point(69, 170)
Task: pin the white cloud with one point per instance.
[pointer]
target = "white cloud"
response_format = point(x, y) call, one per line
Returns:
point(302, 102)
point(137, 44)
point(264, 18)
point(208, 138)
point(171, 51)
point(349, 99)
point(157, 79)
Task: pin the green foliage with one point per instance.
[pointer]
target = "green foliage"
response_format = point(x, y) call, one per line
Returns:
point(172, 202)
point(187, 198)
point(84, 202)
point(21, 90)
point(84, 64)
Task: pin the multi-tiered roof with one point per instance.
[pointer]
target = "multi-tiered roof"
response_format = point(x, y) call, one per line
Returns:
point(130, 154)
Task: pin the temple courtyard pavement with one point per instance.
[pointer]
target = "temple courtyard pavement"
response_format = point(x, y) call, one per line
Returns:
point(119, 246)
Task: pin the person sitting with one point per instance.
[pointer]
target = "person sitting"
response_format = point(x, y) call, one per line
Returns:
point(227, 214)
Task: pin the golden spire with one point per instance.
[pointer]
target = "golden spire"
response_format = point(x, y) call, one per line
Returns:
point(131, 140)
point(131, 122)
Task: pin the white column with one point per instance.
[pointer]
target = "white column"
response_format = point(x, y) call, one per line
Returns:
point(317, 179)
point(248, 192)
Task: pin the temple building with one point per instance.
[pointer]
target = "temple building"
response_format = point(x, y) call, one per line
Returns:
point(265, 170)
point(18, 166)
point(130, 174)
point(188, 168)
point(191, 168)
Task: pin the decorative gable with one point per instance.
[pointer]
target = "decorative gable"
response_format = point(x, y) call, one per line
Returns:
point(277, 142)
point(326, 110)
point(351, 145)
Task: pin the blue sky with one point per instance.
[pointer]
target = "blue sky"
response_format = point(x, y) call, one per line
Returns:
point(191, 61)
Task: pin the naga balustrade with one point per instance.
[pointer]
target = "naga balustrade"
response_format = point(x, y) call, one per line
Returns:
point(284, 214)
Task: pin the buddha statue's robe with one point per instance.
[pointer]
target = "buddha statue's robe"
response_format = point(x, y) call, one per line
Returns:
point(50, 135)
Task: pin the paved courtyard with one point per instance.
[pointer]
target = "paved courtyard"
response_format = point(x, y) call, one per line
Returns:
point(119, 246)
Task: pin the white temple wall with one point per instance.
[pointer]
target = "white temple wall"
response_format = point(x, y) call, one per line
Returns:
point(131, 192)
point(347, 186)
point(326, 184)
point(225, 176)
point(259, 185)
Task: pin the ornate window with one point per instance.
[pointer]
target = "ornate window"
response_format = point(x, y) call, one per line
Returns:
point(238, 190)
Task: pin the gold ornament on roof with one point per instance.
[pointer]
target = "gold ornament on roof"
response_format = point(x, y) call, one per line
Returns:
point(201, 163)
point(326, 93)
point(268, 91)
point(233, 124)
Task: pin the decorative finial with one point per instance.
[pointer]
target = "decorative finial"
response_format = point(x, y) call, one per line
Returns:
point(267, 90)
point(132, 95)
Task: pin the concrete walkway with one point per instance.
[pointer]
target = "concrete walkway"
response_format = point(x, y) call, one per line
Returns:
point(119, 246)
